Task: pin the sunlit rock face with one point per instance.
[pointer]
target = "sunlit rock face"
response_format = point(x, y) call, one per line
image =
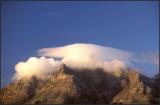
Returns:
point(67, 85)
point(138, 90)
point(20, 91)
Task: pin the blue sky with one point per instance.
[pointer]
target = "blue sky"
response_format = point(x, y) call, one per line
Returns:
point(29, 26)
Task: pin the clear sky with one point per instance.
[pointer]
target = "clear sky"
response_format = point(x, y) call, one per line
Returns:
point(29, 26)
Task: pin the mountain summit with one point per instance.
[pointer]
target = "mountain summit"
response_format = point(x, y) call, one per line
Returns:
point(67, 86)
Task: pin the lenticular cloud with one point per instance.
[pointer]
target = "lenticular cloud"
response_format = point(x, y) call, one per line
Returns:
point(76, 51)
point(79, 56)
point(87, 54)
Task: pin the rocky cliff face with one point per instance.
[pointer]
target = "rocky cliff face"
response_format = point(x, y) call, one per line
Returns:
point(84, 86)
point(20, 91)
point(138, 90)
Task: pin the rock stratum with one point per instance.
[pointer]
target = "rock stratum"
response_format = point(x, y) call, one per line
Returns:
point(69, 86)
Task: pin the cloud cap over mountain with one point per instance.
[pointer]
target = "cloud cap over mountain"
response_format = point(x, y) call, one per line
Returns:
point(79, 56)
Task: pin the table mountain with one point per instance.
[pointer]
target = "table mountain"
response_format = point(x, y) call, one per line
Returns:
point(67, 86)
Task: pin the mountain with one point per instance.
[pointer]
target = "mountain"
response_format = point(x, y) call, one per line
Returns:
point(67, 86)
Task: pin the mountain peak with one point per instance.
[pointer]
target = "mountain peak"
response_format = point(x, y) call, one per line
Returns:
point(64, 69)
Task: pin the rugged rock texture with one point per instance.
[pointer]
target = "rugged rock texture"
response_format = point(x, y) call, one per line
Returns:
point(138, 90)
point(19, 92)
point(83, 86)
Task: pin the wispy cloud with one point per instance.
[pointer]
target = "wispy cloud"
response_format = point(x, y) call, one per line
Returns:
point(150, 57)
point(53, 14)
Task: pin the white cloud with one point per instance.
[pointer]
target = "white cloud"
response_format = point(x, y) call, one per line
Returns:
point(77, 56)
point(34, 66)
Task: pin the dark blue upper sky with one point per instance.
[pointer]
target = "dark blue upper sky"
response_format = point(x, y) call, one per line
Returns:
point(29, 26)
